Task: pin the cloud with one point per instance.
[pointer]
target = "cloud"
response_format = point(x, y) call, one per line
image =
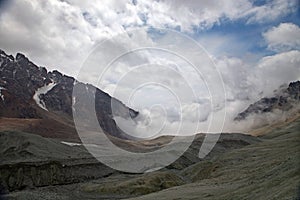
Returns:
point(271, 11)
point(236, 76)
point(52, 41)
point(284, 37)
point(61, 34)
point(190, 14)
point(68, 30)
point(160, 120)
point(273, 71)
point(246, 83)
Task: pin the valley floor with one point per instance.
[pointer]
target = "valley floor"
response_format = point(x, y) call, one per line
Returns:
point(266, 168)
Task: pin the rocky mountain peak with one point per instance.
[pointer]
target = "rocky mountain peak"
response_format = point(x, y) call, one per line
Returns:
point(284, 99)
point(21, 56)
point(31, 90)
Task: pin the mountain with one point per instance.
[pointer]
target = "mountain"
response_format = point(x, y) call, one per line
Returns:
point(40, 101)
point(36, 103)
point(285, 100)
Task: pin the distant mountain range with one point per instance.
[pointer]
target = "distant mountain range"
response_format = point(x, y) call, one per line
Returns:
point(39, 101)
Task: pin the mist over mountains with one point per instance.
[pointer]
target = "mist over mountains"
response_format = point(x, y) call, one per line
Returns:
point(283, 104)
point(285, 99)
point(31, 92)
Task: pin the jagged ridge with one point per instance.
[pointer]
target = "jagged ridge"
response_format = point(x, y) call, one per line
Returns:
point(285, 100)
point(20, 79)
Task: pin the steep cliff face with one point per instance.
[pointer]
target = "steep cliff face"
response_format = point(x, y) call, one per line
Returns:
point(285, 99)
point(31, 92)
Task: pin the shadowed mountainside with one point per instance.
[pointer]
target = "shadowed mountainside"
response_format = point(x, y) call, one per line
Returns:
point(31, 92)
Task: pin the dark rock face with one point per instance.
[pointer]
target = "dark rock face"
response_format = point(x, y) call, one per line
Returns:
point(20, 79)
point(285, 100)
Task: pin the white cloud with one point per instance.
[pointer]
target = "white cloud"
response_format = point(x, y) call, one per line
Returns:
point(204, 14)
point(67, 30)
point(270, 11)
point(273, 71)
point(235, 74)
point(59, 41)
point(190, 14)
point(284, 37)
point(61, 34)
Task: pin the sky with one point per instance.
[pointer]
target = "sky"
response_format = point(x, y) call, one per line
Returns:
point(243, 49)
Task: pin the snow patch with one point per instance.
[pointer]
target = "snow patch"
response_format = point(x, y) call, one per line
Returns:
point(40, 91)
point(7, 57)
point(28, 74)
point(70, 143)
point(14, 73)
point(1, 95)
point(74, 100)
point(80, 144)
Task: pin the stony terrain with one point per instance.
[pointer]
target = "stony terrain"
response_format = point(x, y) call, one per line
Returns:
point(239, 167)
point(31, 162)
point(266, 170)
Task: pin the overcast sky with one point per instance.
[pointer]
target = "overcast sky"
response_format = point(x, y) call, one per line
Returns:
point(255, 45)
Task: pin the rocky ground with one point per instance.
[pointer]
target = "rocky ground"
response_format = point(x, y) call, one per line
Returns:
point(265, 170)
point(239, 167)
